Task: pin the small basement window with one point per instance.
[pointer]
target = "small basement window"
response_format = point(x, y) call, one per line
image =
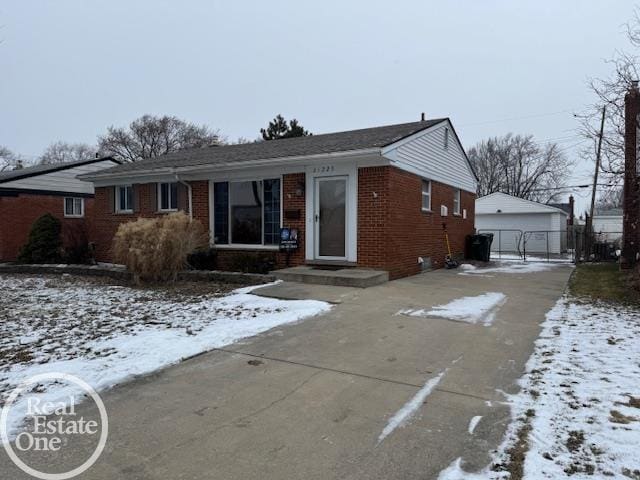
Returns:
point(167, 197)
point(456, 202)
point(426, 195)
point(73, 207)
point(124, 199)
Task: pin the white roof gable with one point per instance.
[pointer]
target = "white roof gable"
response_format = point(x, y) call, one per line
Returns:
point(424, 154)
point(503, 203)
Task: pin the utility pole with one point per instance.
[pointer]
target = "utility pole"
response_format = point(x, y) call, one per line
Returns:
point(595, 175)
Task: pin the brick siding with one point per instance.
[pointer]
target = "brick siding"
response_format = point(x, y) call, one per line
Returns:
point(17, 214)
point(393, 231)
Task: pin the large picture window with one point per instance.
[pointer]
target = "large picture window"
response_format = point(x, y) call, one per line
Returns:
point(247, 213)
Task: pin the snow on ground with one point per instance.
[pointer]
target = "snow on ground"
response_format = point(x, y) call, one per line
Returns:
point(107, 334)
point(508, 257)
point(579, 407)
point(409, 409)
point(474, 423)
point(479, 309)
point(509, 267)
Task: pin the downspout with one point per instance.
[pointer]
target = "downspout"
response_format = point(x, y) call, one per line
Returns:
point(189, 194)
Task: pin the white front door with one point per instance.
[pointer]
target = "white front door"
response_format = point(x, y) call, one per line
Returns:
point(330, 217)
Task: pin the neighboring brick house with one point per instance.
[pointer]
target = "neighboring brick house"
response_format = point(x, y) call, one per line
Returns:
point(377, 197)
point(28, 193)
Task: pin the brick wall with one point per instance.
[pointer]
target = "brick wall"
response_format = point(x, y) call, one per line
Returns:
point(106, 222)
point(393, 231)
point(17, 214)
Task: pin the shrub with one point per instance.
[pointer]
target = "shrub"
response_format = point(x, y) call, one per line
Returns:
point(205, 259)
point(76, 245)
point(253, 262)
point(156, 249)
point(44, 244)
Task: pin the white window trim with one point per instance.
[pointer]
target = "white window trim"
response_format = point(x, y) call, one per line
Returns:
point(73, 215)
point(159, 196)
point(456, 205)
point(423, 194)
point(117, 199)
point(242, 246)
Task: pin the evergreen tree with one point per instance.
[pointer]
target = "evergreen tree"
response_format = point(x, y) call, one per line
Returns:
point(44, 244)
point(279, 128)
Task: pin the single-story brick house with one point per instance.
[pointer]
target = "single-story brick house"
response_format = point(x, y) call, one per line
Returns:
point(377, 197)
point(28, 193)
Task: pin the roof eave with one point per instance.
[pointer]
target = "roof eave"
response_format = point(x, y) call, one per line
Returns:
point(266, 162)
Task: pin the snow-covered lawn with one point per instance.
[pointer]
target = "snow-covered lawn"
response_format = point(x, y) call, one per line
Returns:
point(578, 412)
point(478, 309)
point(105, 334)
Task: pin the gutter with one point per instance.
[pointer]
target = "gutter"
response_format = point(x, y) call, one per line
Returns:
point(189, 193)
point(266, 162)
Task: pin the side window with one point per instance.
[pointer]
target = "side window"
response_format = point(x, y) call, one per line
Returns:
point(124, 199)
point(221, 212)
point(446, 138)
point(73, 207)
point(456, 202)
point(426, 195)
point(167, 196)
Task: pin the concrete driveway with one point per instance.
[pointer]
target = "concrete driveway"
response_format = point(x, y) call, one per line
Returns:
point(317, 395)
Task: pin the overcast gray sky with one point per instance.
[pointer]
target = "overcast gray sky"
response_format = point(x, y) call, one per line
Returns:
point(71, 68)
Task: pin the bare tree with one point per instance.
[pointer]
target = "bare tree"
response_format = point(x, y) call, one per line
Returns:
point(59, 152)
point(609, 92)
point(611, 198)
point(9, 160)
point(150, 136)
point(518, 166)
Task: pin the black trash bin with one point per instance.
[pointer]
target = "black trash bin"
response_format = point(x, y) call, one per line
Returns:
point(481, 246)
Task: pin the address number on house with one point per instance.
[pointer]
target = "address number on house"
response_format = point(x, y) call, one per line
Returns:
point(324, 169)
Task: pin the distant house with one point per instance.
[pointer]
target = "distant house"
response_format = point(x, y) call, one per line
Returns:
point(29, 193)
point(376, 197)
point(518, 224)
point(607, 224)
point(568, 209)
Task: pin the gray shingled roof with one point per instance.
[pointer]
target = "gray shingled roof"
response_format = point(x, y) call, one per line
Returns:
point(286, 147)
point(36, 170)
point(566, 207)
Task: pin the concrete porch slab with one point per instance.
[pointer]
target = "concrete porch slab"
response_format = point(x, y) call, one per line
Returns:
point(344, 277)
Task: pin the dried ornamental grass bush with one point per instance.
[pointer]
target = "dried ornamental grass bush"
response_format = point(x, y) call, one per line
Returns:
point(156, 249)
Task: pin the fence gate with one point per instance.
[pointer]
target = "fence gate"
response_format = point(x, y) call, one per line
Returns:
point(532, 245)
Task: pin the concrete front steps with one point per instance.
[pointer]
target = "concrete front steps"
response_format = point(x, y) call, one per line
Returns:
point(341, 277)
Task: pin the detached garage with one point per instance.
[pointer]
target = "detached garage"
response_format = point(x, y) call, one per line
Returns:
point(517, 223)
